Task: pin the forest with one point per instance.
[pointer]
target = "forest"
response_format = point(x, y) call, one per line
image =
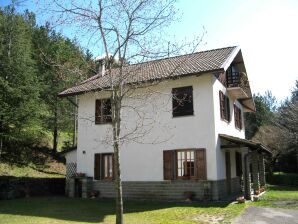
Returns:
point(36, 63)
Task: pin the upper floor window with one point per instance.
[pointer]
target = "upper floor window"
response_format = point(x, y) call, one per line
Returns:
point(103, 112)
point(182, 101)
point(232, 76)
point(224, 107)
point(238, 117)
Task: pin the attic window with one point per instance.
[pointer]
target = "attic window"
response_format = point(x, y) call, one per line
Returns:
point(224, 107)
point(103, 112)
point(182, 101)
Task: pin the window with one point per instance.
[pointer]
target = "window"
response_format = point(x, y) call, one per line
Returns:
point(182, 101)
point(238, 159)
point(224, 107)
point(103, 166)
point(232, 76)
point(107, 166)
point(103, 112)
point(184, 164)
point(238, 117)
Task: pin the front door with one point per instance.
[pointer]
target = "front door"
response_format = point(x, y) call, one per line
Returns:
point(228, 173)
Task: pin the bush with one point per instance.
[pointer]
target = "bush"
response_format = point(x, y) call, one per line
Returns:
point(286, 179)
point(15, 187)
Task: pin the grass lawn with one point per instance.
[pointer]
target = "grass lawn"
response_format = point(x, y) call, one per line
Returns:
point(280, 197)
point(58, 210)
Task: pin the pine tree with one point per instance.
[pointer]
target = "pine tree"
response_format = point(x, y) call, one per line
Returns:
point(19, 85)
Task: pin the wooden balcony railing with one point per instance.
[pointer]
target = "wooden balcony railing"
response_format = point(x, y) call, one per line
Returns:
point(238, 79)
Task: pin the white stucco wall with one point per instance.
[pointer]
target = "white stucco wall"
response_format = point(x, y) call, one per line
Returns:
point(142, 161)
point(71, 157)
point(224, 127)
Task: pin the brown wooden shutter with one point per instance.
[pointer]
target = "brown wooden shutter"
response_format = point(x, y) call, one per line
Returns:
point(222, 106)
point(238, 117)
point(235, 116)
point(97, 111)
point(97, 166)
point(201, 166)
point(228, 109)
point(168, 164)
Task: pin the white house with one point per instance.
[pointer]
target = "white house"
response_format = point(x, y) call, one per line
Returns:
point(183, 134)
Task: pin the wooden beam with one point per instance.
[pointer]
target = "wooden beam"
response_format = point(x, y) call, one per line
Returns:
point(231, 146)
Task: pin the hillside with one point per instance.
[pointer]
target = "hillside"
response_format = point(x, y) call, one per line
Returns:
point(50, 169)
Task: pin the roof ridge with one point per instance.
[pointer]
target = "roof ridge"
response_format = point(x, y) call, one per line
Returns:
point(177, 56)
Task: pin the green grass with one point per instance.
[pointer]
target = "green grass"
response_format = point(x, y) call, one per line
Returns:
point(27, 171)
point(61, 210)
point(279, 196)
point(58, 210)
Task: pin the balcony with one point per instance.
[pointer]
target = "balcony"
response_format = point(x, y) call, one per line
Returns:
point(237, 85)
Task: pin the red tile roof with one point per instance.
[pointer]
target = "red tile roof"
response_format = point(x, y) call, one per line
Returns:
point(184, 65)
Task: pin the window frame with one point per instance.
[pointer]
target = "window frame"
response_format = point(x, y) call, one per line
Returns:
point(170, 165)
point(185, 151)
point(101, 117)
point(182, 110)
point(110, 157)
point(99, 166)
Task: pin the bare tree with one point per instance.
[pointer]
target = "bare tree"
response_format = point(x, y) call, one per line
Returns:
point(281, 135)
point(128, 31)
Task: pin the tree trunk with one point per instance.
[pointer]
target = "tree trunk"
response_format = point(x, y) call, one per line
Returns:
point(55, 132)
point(116, 120)
point(1, 132)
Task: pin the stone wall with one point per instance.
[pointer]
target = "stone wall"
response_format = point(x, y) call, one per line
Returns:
point(163, 190)
point(219, 188)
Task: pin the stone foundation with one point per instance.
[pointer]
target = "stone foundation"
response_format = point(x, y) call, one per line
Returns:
point(162, 190)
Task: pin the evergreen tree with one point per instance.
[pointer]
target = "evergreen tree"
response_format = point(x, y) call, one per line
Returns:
point(19, 85)
point(61, 63)
point(36, 63)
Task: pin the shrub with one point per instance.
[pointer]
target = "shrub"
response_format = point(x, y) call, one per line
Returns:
point(286, 179)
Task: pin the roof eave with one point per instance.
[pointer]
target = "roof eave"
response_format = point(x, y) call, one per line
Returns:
point(66, 94)
point(230, 59)
point(249, 143)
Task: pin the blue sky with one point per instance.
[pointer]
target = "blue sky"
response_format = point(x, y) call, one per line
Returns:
point(266, 31)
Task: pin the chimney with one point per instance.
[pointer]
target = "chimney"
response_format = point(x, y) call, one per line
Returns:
point(103, 67)
point(101, 64)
